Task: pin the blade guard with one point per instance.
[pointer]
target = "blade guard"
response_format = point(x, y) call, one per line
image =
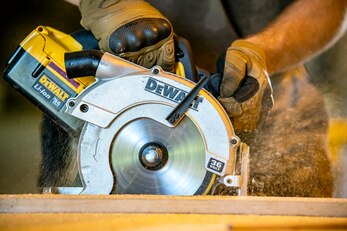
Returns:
point(124, 92)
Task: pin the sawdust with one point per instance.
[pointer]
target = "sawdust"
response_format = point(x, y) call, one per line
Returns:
point(288, 152)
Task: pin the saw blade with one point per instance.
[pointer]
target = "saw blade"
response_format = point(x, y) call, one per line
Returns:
point(148, 157)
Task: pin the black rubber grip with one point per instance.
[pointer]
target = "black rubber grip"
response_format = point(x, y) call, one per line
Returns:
point(86, 39)
point(138, 34)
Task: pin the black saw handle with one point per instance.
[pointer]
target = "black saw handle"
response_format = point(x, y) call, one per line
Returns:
point(86, 39)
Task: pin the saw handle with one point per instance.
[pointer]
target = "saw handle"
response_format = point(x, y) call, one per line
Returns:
point(184, 55)
point(83, 63)
point(86, 39)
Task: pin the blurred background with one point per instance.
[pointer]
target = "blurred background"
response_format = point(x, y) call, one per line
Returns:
point(20, 120)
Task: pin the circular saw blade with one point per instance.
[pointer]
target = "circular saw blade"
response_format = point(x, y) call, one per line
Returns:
point(180, 172)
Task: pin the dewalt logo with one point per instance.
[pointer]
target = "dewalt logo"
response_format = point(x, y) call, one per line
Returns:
point(51, 91)
point(54, 88)
point(170, 92)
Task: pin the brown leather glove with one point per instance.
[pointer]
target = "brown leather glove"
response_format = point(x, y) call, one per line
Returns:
point(131, 29)
point(246, 92)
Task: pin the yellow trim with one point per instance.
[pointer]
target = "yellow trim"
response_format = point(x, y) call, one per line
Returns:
point(47, 45)
point(209, 186)
point(337, 137)
point(180, 70)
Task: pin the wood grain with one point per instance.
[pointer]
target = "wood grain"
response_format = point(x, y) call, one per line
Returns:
point(131, 204)
point(160, 222)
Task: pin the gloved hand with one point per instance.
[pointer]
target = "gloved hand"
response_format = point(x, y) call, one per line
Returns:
point(131, 29)
point(245, 91)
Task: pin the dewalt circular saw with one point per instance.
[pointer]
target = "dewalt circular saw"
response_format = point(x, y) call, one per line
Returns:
point(141, 131)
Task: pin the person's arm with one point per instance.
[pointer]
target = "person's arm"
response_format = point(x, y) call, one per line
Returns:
point(304, 29)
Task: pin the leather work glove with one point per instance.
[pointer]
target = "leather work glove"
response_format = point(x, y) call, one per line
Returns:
point(245, 91)
point(131, 29)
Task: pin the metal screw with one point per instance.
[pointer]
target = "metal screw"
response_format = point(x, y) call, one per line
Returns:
point(179, 54)
point(84, 108)
point(176, 115)
point(155, 71)
point(151, 156)
point(71, 104)
point(233, 141)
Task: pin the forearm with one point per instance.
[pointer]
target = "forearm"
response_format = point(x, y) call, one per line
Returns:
point(303, 30)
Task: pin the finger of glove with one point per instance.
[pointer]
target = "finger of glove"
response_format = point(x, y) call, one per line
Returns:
point(234, 72)
point(231, 106)
point(162, 55)
point(166, 56)
point(139, 34)
point(146, 41)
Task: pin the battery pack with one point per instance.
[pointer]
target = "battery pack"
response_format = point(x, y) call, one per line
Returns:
point(36, 69)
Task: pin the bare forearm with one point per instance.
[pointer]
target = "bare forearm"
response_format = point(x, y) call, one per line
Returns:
point(304, 29)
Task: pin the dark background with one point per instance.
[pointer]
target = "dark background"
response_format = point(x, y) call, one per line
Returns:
point(20, 120)
point(19, 18)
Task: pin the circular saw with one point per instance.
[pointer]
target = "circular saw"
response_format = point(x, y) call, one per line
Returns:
point(149, 131)
point(141, 131)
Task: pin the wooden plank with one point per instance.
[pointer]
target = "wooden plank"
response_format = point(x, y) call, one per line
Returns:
point(160, 222)
point(323, 207)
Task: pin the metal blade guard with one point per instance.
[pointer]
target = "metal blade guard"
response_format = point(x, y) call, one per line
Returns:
point(128, 146)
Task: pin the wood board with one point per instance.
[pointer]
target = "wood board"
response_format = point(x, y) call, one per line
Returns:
point(283, 206)
point(164, 222)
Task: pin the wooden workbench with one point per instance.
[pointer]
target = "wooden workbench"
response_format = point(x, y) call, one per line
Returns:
point(125, 212)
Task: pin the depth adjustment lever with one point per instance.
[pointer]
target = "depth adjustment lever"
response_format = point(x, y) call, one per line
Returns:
point(177, 113)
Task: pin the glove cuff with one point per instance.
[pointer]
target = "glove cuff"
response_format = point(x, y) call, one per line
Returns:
point(249, 48)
